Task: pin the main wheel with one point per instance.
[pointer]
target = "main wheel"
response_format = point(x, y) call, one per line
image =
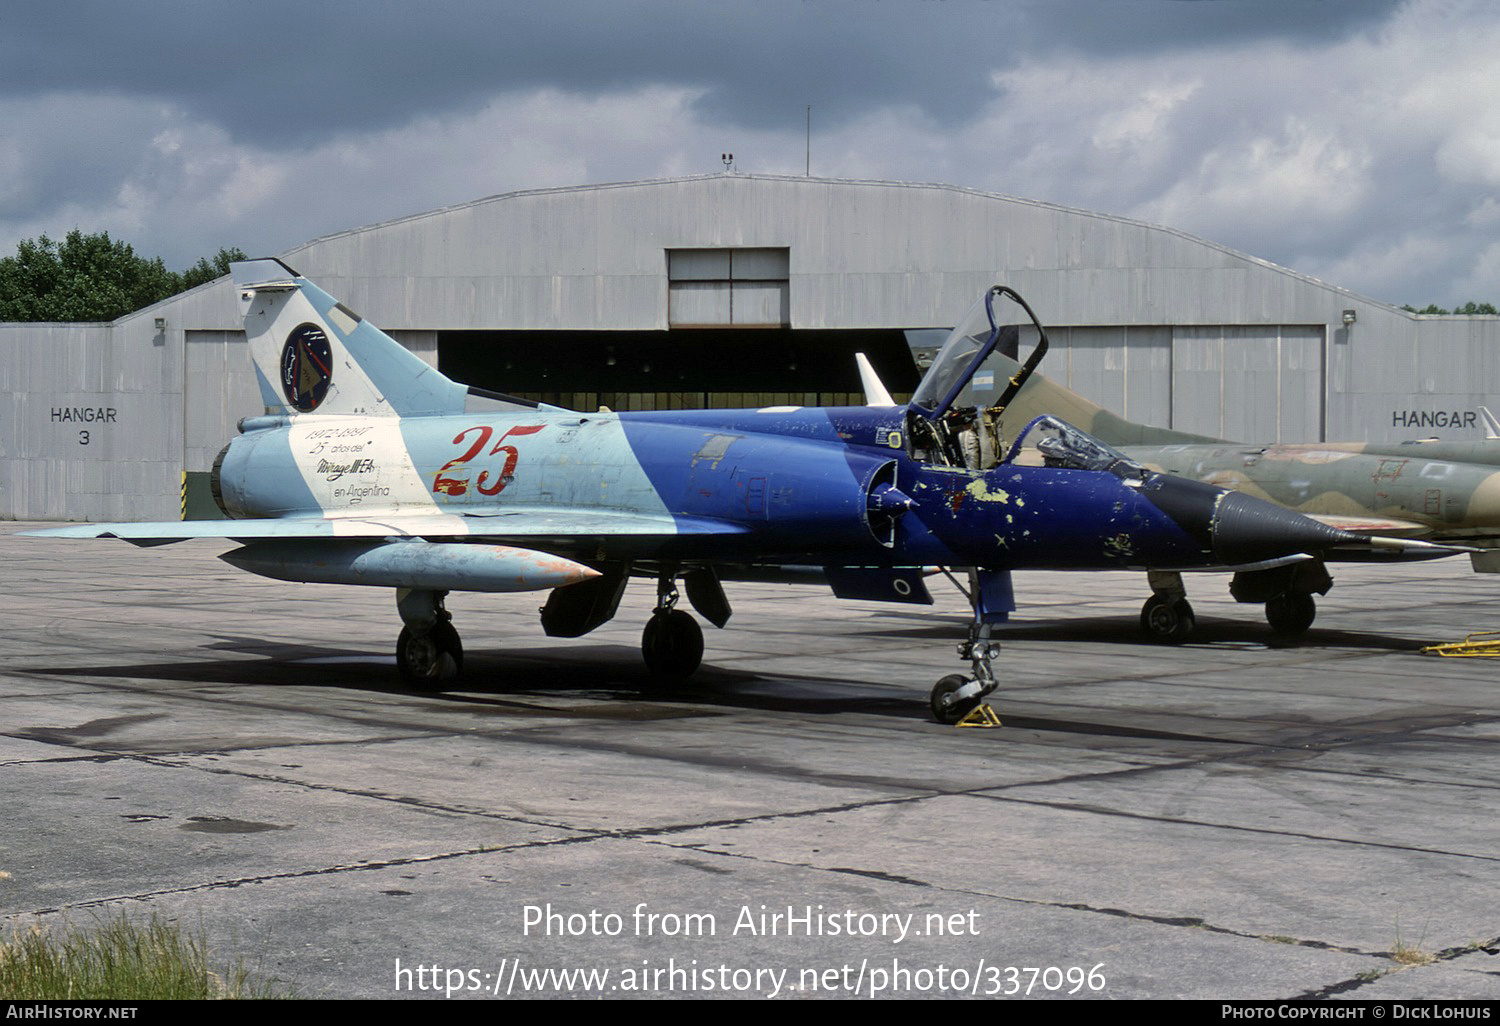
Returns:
point(430, 659)
point(1170, 621)
point(945, 707)
point(672, 646)
point(1291, 614)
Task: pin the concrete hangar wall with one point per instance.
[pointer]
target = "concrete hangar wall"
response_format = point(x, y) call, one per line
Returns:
point(108, 421)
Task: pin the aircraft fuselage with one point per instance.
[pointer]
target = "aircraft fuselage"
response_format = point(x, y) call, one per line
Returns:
point(798, 484)
point(1453, 500)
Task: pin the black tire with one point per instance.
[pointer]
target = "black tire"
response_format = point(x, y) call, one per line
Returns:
point(430, 660)
point(944, 708)
point(1291, 614)
point(672, 646)
point(1169, 621)
point(1187, 622)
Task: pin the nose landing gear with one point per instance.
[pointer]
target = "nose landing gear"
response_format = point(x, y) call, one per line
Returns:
point(956, 699)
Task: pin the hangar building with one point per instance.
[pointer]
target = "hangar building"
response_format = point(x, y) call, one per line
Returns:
point(740, 290)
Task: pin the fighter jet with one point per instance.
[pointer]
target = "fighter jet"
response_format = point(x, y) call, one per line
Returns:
point(369, 467)
point(1446, 493)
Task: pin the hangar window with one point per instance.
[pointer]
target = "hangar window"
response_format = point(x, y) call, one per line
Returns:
point(721, 288)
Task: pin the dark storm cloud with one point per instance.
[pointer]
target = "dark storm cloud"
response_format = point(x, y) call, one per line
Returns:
point(1122, 27)
point(61, 161)
point(284, 72)
point(1353, 139)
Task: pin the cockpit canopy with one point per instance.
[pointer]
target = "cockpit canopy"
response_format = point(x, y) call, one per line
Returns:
point(962, 373)
point(954, 415)
point(1050, 442)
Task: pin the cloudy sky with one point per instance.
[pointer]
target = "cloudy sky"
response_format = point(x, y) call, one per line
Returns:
point(1358, 142)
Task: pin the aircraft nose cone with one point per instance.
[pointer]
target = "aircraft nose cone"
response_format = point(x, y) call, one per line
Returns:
point(1248, 530)
point(1238, 528)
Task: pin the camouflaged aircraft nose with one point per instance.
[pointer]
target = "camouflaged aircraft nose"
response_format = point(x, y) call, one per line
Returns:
point(1249, 530)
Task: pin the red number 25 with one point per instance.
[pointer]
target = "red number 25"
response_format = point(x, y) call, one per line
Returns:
point(459, 485)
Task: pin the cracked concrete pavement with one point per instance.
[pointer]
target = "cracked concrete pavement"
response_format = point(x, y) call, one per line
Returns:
point(1232, 818)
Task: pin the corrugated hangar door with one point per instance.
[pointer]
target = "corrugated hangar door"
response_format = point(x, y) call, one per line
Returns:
point(221, 388)
point(1128, 371)
point(1249, 383)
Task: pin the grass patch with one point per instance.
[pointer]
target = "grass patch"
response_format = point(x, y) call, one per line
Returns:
point(1407, 954)
point(117, 960)
point(1403, 953)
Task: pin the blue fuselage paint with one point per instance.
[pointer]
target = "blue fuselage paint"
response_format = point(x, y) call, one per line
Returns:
point(793, 483)
point(1008, 517)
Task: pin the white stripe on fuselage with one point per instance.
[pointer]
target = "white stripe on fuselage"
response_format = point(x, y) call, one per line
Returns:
point(362, 466)
point(356, 465)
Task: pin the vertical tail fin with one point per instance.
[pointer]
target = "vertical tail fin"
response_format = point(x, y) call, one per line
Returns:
point(314, 355)
point(875, 390)
point(1041, 395)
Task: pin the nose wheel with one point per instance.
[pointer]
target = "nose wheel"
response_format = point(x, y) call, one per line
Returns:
point(953, 698)
point(956, 696)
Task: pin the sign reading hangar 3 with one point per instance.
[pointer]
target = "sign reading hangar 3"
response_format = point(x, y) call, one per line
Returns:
point(370, 467)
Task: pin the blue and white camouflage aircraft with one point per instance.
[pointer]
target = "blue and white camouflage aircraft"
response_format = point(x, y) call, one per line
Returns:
point(370, 467)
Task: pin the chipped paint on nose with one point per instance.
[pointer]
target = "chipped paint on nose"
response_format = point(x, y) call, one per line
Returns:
point(982, 492)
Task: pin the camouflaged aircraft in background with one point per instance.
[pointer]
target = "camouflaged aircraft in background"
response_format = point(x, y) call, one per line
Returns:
point(1439, 491)
point(369, 467)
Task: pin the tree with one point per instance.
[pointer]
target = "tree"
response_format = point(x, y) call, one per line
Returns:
point(1469, 309)
point(206, 270)
point(91, 278)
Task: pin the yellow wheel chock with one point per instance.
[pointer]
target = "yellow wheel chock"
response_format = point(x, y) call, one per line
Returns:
point(1469, 648)
point(979, 716)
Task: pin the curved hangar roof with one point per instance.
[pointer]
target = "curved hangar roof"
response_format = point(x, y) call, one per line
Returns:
point(857, 254)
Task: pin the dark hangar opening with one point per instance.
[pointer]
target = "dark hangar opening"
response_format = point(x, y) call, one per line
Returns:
point(687, 368)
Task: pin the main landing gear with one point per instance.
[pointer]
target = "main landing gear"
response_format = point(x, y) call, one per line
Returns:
point(430, 655)
point(1287, 592)
point(672, 644)
point(428, 652)
point(956, 696)
point(1291, 613)
point(1167, 616)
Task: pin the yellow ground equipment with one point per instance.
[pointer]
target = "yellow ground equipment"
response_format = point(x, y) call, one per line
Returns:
point(1481, 644)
